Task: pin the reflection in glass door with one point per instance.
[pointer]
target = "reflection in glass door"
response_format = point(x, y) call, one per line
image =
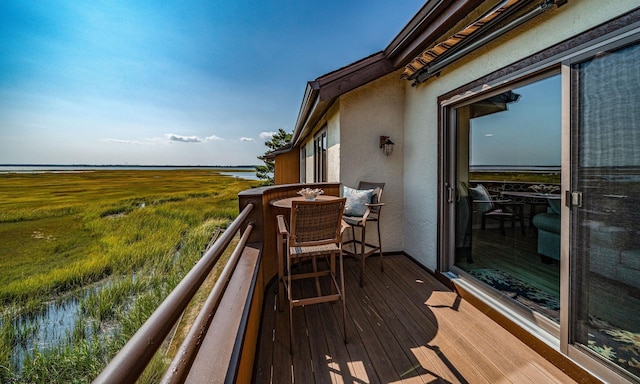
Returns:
point(507, 172)
point(605, 218)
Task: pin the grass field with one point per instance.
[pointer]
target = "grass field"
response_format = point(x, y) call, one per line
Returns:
point(138, 231)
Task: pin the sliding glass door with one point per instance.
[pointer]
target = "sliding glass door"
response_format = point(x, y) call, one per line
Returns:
point(605, 206)
point(507, 177)
point(541, 207)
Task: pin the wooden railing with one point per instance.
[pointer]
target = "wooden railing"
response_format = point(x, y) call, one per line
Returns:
point(221, 344)
point(133, 358)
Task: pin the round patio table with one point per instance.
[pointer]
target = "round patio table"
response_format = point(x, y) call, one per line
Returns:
point(286, 203)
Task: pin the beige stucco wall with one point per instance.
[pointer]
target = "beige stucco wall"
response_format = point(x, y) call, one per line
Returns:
point(333, 143)
point(308, 162)
point(367, 113)
point(420, 144)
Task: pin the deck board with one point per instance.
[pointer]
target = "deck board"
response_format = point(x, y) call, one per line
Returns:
point(403, 326)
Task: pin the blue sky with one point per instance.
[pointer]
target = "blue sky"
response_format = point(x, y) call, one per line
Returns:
point(528, 133)
point(183, 82)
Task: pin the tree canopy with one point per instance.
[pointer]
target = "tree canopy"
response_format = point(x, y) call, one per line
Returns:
point(279, 140)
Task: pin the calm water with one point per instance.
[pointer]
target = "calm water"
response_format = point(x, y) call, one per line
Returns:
point(247, 173)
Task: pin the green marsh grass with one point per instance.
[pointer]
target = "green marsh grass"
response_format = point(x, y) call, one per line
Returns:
point(514, 176)
point(116, 241)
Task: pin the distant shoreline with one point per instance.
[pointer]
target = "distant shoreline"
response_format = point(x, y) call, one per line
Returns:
point(241, 171)
point(125, 166)
point(515, 168)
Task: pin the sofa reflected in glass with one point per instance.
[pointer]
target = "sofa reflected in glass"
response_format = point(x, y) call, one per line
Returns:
point(548, 224)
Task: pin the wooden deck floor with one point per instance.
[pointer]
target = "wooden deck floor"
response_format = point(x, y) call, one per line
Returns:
point(402, 327)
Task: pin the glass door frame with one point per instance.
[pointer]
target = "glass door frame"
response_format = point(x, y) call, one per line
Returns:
point(562, 62)
point(541, 326)
point(570, 140)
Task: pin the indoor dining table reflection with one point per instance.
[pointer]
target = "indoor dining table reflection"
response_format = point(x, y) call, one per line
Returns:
point(534, 199)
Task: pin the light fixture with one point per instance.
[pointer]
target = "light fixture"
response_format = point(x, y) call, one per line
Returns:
point(386, 144)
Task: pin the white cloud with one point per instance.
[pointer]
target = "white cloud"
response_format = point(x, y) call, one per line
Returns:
point(184, 139)
point(213, 138)
point(246, 139)
point(120, 141)
point(267, 135)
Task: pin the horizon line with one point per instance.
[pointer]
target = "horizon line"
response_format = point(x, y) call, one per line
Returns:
point(124, 165)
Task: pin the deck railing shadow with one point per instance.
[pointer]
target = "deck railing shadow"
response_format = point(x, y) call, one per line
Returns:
point(410, 315)
point(391, 328)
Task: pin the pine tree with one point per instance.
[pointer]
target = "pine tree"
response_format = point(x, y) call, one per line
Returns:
point(265, 172)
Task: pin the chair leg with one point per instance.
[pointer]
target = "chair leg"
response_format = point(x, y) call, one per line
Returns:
point(281, 294)
point(290, 299)
point(363, 232)
point(281, 255)
point(290, 328)
point(353, 238)
point(332, 266)
point(380, 247)
point(342, 297)
point(317, 279)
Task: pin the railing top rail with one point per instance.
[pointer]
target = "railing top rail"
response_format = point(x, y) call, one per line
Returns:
point(182, 362)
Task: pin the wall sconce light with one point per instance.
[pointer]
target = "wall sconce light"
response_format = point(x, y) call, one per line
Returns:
point(386, 144)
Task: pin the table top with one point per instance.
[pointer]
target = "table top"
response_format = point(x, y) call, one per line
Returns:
point(533, 195)
point(288, 202)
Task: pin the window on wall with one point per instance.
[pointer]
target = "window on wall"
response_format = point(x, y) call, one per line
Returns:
point(303, 164)
point(320, 156)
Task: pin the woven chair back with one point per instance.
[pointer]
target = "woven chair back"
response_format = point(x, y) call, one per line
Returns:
point(316, 222)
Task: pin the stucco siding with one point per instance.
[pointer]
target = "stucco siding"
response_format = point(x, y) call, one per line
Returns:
point(420, 144)
point(333, 144)
point(367, 113)
point(308, 164)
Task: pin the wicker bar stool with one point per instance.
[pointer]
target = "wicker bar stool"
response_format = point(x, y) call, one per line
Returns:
point(315, 233)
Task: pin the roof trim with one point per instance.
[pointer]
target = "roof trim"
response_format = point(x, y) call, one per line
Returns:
point(284, 149)
point(320, 94)
point(428, 24)
point(442, 48)
point(431, 22)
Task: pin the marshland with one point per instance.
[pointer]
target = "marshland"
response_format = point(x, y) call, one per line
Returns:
point(85, 258)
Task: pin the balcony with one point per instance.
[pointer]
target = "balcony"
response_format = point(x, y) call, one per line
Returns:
point(402, 326)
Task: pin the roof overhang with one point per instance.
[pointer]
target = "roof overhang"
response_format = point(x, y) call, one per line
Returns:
point(433, 20)
point(429, 23)
point(503, 17)
point(320, 93)
point(272, 155)
point(419, 37)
